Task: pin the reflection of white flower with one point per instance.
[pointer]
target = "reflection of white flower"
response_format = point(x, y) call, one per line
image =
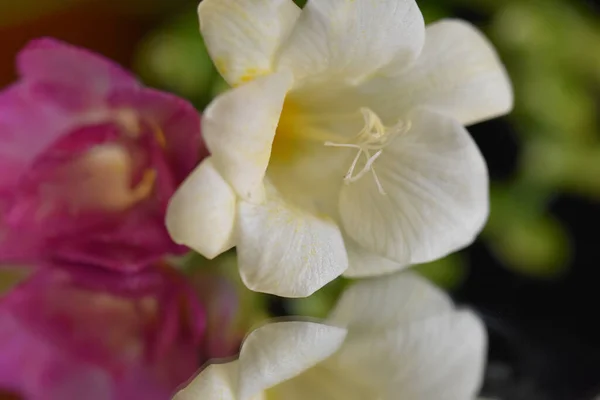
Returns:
point(396, 338)
point(341, 147)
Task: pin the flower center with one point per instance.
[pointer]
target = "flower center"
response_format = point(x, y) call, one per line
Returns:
point(130, 122)
point(287, 142)
point(370, 143)
point(106, 172)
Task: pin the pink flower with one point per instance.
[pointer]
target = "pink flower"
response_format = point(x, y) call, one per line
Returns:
point(70, 335)
point(88, 161)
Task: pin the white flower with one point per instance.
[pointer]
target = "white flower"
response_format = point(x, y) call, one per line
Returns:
point(341, 147)
point(396, 338)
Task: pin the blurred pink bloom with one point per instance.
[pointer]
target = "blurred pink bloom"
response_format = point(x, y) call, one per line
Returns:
point(88, 161)
point(70, 335)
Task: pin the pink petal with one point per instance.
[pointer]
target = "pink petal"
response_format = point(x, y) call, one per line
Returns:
point(136, 240)
point(62, 335)
point(27, 128)
point(177, 121)
point(61, 66)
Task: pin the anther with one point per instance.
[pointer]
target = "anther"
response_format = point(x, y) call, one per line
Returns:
point(374, 137)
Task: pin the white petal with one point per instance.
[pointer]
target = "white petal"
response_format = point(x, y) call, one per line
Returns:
point(217, 381)
point(242, 36)
point(363, 263)
point(239, 127)
point(201, 214)
point(349, 40)
point(437, 194)
point(322, 383)
point(282, 350)
point(405, 339)
point(437, 358)
point(377, 304)
point(285, 250)
point(458, 74)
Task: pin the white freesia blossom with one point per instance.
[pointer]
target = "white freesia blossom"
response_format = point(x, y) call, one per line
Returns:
point(341, 147)
point(393, 338)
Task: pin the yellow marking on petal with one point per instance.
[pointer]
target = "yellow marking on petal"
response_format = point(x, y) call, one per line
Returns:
point(288, 133)
point(144, 188)
point(159, 134)
point(251, 74)
point(221, 65)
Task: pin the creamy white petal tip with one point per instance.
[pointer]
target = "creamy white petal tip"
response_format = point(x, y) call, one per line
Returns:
point(201, 214)
point(286, 250)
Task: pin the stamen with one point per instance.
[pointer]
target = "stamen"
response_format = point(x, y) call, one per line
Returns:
point(379, 186)
point(373, 137)
point(348, 175)
point(367, 167)
point(354, 146)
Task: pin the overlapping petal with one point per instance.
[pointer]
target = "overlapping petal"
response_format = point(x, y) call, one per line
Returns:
point(18, 119)
point(350, 40)
point(437, 194)
point(239, 127)
point(201, 214)
point(270, 355)
point(217, 381)
point(442, 357)
point(286, 250)
point(280, 351)
point(242, 36)
point(363, 263)
point(406, 339)
point(458, 74)
point(173, 121)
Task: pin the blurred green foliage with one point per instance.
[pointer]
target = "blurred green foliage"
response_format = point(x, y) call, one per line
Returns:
point(174, 58)
point(447, 273)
